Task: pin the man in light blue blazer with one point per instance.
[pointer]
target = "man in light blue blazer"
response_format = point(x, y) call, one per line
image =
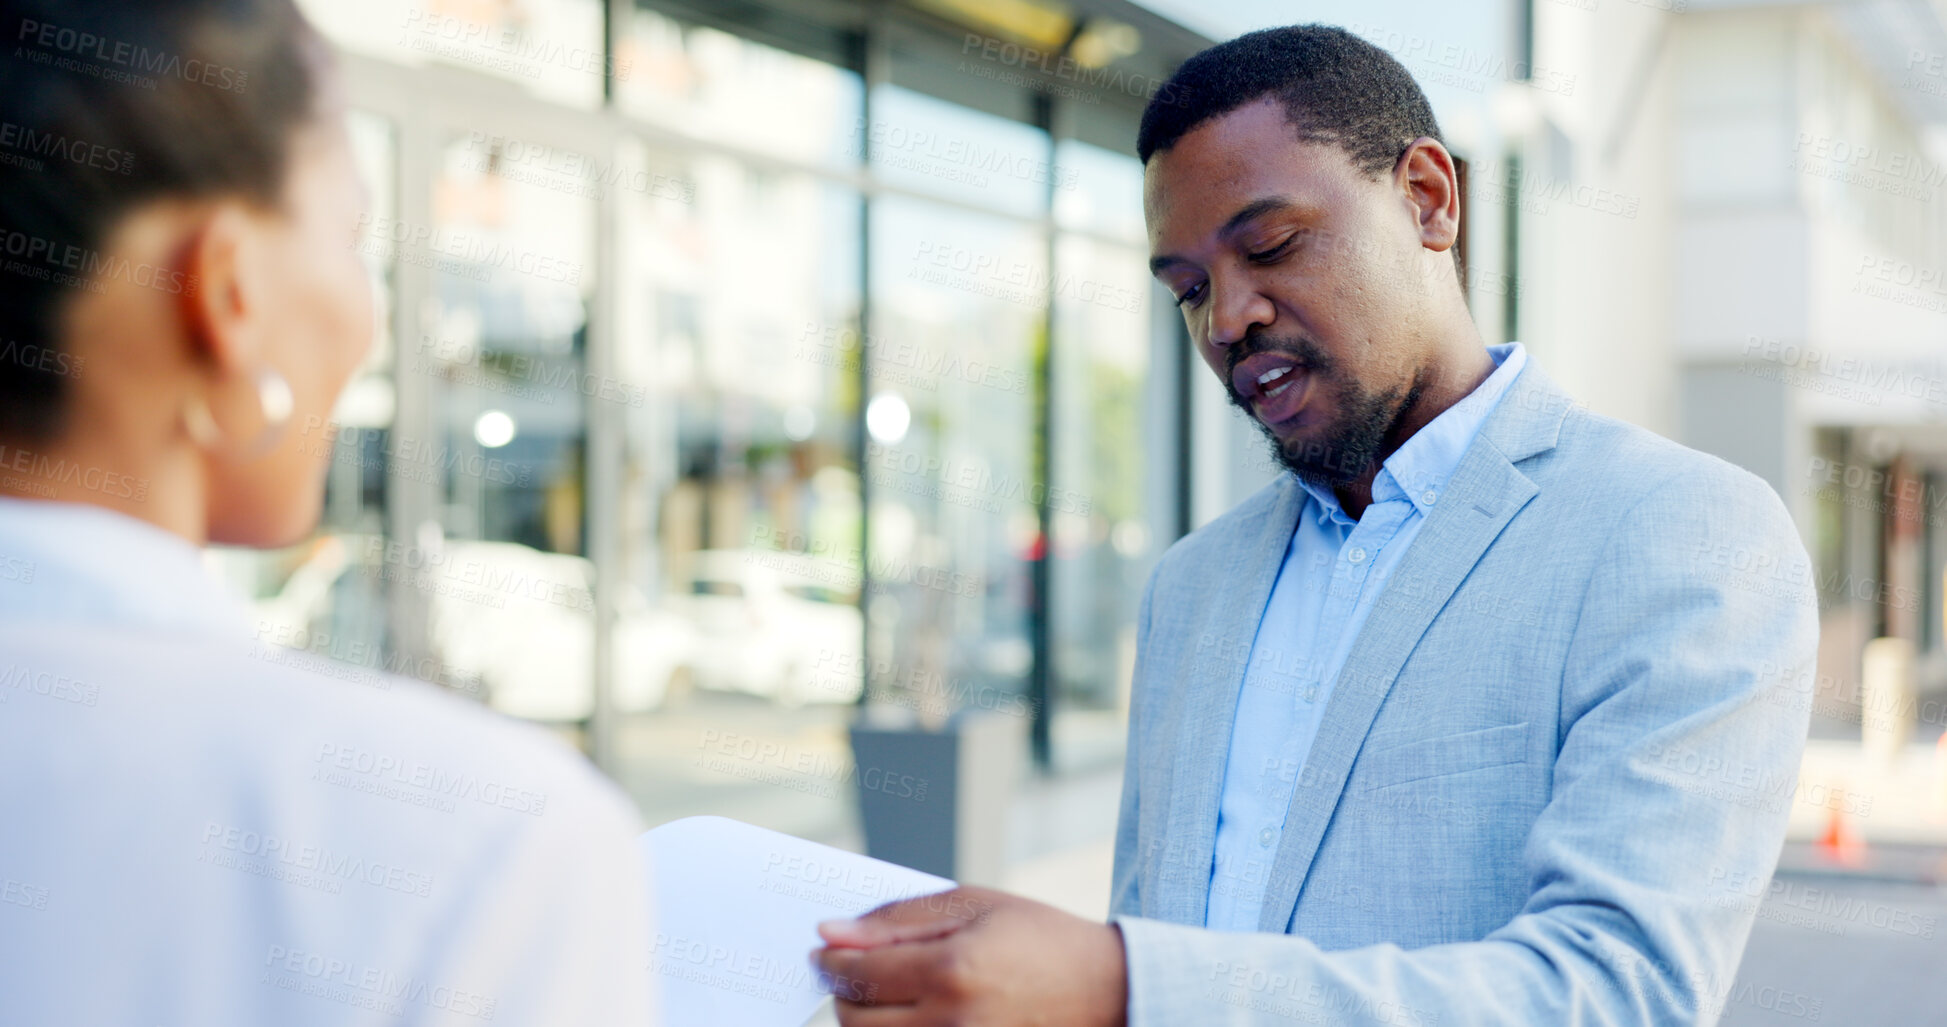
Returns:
point(1489, 711)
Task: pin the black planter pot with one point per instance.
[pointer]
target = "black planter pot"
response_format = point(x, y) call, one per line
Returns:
point(936, 800)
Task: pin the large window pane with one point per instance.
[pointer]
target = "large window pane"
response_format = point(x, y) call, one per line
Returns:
point(960, 325)
point(1106, 197)
point(1102, 549)
point(501, 353)
point(740, 497)
point(928, 145)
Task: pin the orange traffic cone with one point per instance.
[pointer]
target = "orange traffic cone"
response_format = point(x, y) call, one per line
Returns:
point(1841, 843)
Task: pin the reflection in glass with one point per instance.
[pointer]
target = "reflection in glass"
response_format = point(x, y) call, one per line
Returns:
point(928, 145)
point(1107, 196)
point(1102, 551)
point(960, 313)
point(740, 494)
point(502, 352)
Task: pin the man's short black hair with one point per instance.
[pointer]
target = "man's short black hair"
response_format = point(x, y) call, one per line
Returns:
point(1335, 88)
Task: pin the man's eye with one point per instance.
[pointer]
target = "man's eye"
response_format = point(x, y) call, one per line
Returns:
point(1190, 296)
point(1266, 256)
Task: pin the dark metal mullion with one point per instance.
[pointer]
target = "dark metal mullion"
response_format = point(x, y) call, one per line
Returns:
point(1041, 570)
point(613, 27)
point(1511, 251)
point(1041, 691)
point(604, 448)
point(1524, 40)
point(870, 60)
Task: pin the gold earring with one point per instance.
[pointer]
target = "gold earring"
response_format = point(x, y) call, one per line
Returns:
point(274, 403)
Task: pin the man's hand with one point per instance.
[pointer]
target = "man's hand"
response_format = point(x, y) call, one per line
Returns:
point(976, 957)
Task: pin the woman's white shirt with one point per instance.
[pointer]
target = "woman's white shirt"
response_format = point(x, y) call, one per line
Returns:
point(194, 831)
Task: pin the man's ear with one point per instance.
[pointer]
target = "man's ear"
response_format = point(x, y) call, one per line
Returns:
point(1428, 180)
point(219, 297)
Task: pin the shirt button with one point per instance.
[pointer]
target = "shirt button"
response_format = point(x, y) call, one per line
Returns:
point(1266, 837)
point(1429, 497)
point(1356, 556)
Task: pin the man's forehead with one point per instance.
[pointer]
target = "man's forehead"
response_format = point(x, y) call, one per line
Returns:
point(1237, 159)
point(1264, 120)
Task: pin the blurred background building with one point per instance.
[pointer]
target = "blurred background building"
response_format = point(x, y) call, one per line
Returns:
point(747, 362)
point(742, 361)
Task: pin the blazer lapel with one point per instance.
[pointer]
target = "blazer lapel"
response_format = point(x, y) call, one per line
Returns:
point(1207, 708)
point(1485, 493)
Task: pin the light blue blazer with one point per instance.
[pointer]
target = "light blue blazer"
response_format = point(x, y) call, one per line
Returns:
point(1561, 752)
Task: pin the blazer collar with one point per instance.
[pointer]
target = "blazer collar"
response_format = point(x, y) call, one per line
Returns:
point(1530, 418)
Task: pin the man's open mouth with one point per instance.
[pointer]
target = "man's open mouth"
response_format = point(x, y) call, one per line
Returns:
point(1274, 381)
point(1273, 384)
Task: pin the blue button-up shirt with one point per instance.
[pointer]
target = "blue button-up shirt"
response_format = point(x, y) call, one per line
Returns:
point(1334, 570)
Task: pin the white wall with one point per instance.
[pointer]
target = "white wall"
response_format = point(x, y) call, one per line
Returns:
point(1596, 240)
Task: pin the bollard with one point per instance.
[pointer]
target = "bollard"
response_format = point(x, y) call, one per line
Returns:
point(1887, 696)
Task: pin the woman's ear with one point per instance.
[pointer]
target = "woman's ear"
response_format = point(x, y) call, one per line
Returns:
point(221, 299)
point(1427, 178)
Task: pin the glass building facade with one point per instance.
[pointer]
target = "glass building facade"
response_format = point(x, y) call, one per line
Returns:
point(739, 370)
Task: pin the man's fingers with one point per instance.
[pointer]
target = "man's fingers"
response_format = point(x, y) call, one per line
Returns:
point(871, 934)
point(920, 919)
point(838, 976)
point(892, 975)
point(853, 1015)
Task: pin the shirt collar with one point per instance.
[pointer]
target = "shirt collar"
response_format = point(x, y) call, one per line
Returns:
point(85, 563)
point(1419, 470)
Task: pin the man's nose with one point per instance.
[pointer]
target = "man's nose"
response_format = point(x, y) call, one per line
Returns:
point(1235, 310)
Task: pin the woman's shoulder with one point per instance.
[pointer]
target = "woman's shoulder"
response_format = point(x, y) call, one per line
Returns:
point(156, 789)
point(215, 713)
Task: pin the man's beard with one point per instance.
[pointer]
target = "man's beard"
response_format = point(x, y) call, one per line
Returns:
point(1352, 443)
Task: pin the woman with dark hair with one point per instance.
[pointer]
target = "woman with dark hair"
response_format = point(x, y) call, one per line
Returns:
point(192, 832)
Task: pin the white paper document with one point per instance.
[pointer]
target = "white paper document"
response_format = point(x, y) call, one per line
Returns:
point(736, 912)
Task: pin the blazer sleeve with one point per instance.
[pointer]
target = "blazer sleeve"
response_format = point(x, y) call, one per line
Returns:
point(1124, 899)
point(1685, 697)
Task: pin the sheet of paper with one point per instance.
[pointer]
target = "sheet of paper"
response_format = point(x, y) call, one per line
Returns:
point(736, 918)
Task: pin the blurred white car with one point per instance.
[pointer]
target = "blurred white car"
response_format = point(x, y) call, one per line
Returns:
point(519, 621)
point(522, 622)
point(778, 625)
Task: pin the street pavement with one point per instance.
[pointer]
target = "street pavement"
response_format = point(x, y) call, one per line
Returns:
point(1859, 946)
